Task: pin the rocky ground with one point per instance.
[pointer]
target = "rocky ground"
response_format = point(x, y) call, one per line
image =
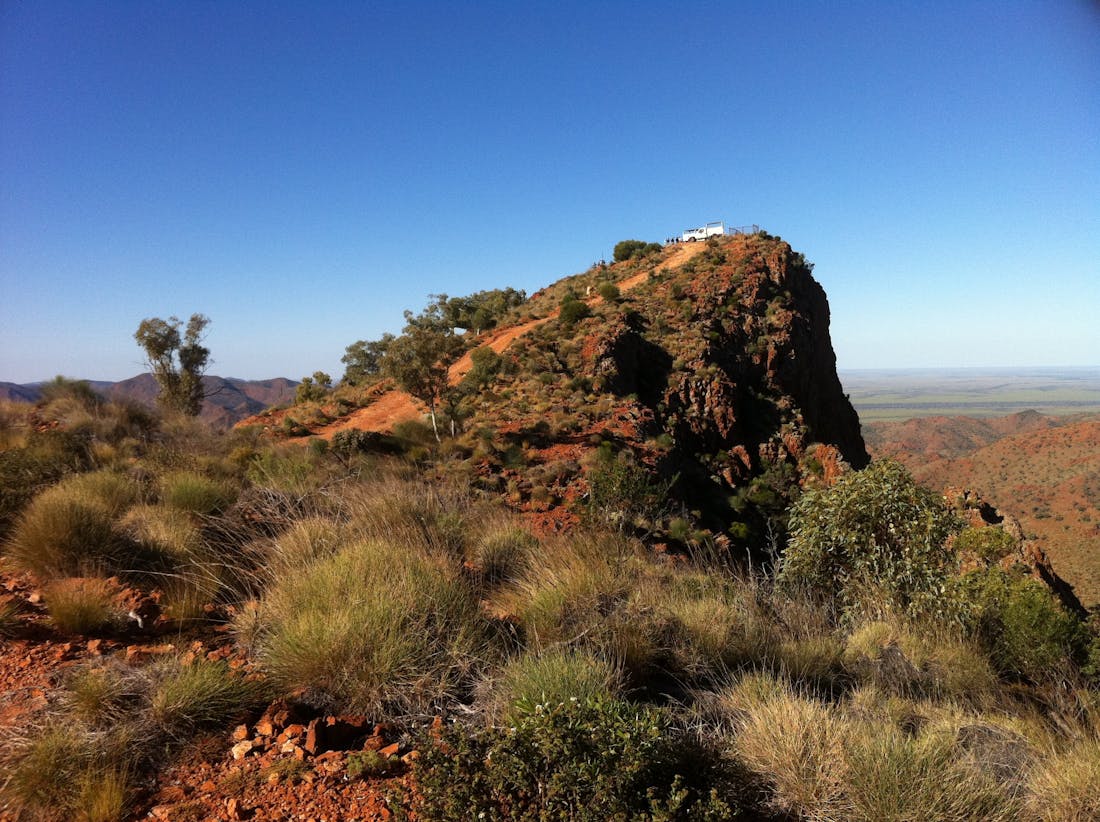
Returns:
point(287, 764)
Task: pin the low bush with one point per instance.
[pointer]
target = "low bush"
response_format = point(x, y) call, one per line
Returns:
point(875, 542)
point(609, 292)
point(1022, 626)
point(586, 760)
point(371, 765)
point(378, 627)
point(572, 311)
point(990, 544)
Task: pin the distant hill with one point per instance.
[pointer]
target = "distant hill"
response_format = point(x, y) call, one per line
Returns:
point(228, 400)
point(1044, 470)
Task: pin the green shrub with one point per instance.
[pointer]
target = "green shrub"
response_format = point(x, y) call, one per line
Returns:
point(313, 389)
point(371, 765)
point(624, 494)
point(572, 311)
point(26, 471)
point(379, 626)
point(875, 542)
point(608, 292)
point(629, 249)
point(1022, 626)
point(989, 544)
point(586, 760)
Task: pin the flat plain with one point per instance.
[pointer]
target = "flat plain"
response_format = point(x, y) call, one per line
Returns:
point(907, 393)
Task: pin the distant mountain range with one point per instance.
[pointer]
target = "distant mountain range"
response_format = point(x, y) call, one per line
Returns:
point(228, 400)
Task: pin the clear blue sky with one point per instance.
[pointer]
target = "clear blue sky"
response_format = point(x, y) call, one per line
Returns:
point(303, 172)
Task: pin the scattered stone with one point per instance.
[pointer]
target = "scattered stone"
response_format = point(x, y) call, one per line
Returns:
point(241, 749)
point(240, 732)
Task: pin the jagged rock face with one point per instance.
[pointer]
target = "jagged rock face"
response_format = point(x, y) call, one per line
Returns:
point(734, 355)
point(1024, 552)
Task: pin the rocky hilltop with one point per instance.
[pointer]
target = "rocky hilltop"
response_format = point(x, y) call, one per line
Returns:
point(707, 366)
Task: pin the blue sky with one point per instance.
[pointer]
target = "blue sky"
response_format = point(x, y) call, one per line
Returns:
point(303, 172)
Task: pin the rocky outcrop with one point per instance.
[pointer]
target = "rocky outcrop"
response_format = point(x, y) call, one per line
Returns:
point(1018, 551)
point(733, 353)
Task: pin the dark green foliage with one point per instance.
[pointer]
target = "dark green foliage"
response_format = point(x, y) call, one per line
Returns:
point(573, 310)
point(372, 765)
point(177, 362)
point(315, 388)
point(608, 291)
point(64, 388)
point(486, 365)
point(629, 249)
point(1021, 625)
point(363, 360)
point(874, 542)
point(479, 311)
point(587, 760)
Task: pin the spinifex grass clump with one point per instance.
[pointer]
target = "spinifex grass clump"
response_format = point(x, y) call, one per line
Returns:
point(81, 605)
point(69, 529)
point(195, 493)
point(553, 677)
point(204, 694)
point(377, 627)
